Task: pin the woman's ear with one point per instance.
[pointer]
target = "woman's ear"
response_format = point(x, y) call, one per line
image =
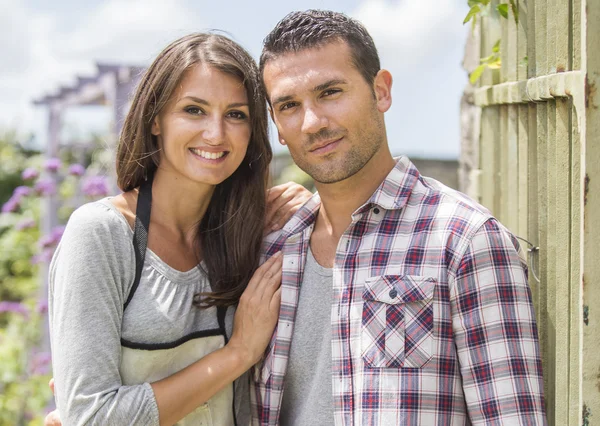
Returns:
point(155, 130)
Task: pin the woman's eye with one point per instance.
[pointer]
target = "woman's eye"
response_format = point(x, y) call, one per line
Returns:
point(193, 110)
point(239, 115)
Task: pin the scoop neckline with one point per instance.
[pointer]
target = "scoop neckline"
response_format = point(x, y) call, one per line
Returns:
point(154, 259)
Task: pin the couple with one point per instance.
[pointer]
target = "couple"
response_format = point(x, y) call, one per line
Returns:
point(387, 299)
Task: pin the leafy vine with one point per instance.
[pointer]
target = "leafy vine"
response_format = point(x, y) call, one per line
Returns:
point(478, 9)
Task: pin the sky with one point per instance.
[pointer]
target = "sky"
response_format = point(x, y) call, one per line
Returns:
point(45, 45)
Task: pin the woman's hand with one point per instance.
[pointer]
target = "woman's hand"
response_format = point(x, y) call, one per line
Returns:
point(282, 202)
point(257, 312)
point(53, 418)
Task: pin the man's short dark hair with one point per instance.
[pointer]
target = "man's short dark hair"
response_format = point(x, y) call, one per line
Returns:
point(315, 28)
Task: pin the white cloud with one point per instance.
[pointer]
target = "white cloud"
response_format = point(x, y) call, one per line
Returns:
point(421, 43)
point(42, 56)
point(409, 32)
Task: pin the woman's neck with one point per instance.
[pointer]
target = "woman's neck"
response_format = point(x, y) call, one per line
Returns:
point(179, 204)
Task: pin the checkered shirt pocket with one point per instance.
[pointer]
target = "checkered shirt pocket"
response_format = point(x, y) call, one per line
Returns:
point(397, 321)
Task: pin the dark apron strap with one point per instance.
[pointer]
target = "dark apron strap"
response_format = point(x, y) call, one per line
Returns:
point(140, 244)
point(221, 313)
point(140, 232)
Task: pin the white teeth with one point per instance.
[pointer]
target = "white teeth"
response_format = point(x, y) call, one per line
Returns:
point(208, 155)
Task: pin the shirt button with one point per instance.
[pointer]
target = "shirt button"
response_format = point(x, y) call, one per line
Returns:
point(393, 293)
point(376, 210)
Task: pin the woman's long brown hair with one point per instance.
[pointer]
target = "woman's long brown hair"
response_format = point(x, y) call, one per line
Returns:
point(230, 233)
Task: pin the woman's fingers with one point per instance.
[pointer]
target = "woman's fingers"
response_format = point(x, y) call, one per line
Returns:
point(260, 272)
point(52, 419)
point(282, 202)
point(275, 201)
point(270, 279)
point(275, 301)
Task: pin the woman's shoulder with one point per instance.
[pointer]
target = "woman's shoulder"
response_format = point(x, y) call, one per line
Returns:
point(99, 218)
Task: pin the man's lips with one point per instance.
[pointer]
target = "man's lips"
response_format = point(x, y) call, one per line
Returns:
point(325, 146)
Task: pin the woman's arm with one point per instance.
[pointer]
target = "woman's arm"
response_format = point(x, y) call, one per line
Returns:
point(89, 277)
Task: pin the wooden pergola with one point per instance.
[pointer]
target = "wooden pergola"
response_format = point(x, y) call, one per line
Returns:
point(111, 86)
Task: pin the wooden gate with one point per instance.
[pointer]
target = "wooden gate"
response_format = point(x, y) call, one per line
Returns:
point(537, 167)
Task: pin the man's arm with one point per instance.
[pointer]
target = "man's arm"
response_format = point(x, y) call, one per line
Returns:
point(495, 332)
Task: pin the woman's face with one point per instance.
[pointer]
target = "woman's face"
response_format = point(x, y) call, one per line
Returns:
point(204, 130)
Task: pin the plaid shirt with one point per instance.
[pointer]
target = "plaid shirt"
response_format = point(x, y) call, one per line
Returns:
point(432, 320)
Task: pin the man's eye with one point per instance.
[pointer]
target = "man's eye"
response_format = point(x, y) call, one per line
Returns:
point(239, 115)
point(330, 92)
point(287, 105)
point(193, 110)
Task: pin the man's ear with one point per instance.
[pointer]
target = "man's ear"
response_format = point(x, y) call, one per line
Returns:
point(279, 137)
point(270, 108)
point(281, 140)
point(382, 87)
point(155, 130)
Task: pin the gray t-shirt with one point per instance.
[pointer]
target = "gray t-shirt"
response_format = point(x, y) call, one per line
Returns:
point(307, 396)
point(91, 275)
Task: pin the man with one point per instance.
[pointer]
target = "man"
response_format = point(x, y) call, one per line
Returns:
point(403, 302)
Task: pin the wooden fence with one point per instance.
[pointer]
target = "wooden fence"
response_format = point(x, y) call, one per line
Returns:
point(537, 167)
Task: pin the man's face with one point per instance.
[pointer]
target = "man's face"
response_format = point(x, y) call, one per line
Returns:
point(330, 118)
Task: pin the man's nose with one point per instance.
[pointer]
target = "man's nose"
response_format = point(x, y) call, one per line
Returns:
point(313, 121)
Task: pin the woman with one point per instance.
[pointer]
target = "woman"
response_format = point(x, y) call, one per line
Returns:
point(154, 344)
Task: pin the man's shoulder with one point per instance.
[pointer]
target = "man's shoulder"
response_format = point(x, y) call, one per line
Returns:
point(304, 218)
point(447, 207)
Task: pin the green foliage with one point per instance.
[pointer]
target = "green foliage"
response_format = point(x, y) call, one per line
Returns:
point(515, 10)
point(13, 159)
point(295, 174)
point(503, 10)
point(492, 61)
point(24, 391)
point(472, 13)
point(482, 8)
point(24, 371)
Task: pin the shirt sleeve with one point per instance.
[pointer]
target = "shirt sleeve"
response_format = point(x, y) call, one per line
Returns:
point(90, 276)
point(495, 332)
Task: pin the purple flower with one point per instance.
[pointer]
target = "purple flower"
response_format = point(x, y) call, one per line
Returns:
point(15, 308)
point(46, 241)
point(53, 238)
point(76, 170)
point(44, 257)
point(12, 205)
point(29, 173)
point(95, 186)
point(52, 164)
point(42, 306)
point(45, 187)
point(25, 224)
point(57, 233)
point(22, 191)
point(40, 363)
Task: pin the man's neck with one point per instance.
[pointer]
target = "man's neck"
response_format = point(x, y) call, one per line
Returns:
point(339, 200)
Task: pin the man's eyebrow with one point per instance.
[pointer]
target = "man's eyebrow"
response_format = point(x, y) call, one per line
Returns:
point(318, 88)
point(328, 84)
point(205, 102)
point(281, 99)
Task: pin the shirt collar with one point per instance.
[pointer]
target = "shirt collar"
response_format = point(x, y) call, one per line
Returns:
point(396, 188)
point(393, 193)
